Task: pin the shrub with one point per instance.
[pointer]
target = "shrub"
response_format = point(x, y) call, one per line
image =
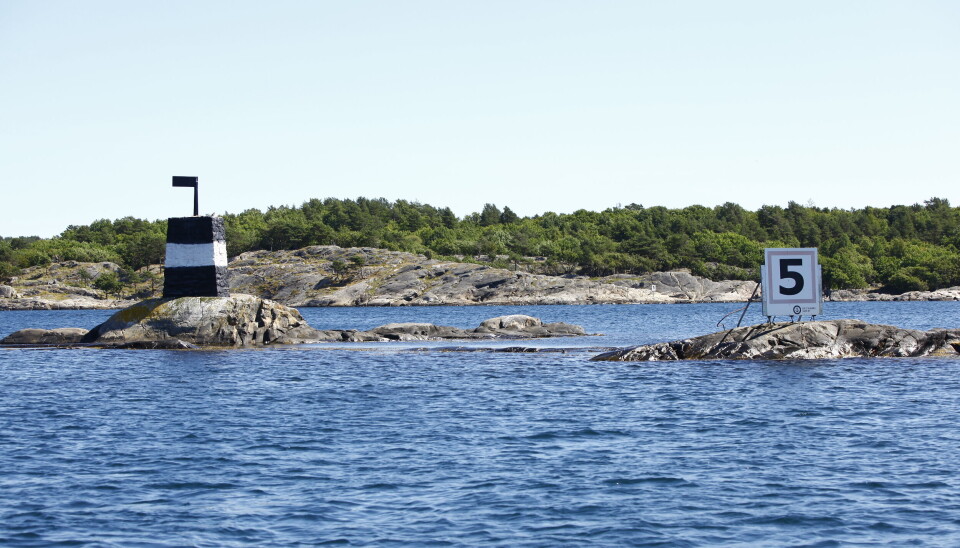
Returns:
point(904, 281)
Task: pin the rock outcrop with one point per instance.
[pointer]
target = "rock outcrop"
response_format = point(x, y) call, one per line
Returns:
point(63, 302)
point(801, 340)
point(7, 292)
point(944, 294)
point(521, 326)
point(248, 321)
point(239, 320)
point(66, 285)
point(515, 326)
point(362, 276)
point(682, 286)
point(388, 278)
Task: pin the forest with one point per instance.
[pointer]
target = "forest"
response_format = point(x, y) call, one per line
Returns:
point(894, 249)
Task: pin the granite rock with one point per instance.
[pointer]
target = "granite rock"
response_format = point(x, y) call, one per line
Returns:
point(515, 326)
point(943, 294)
point(800, 340)
point(7, 292)
point(248, 321)
point(378, 277)
point(239, 320)
point(521, 326)
point(682, 286)
point(390, 278)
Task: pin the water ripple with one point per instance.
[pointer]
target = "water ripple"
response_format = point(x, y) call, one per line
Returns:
point(315, 447)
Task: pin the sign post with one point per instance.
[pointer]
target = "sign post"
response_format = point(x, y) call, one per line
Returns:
point(791, 279)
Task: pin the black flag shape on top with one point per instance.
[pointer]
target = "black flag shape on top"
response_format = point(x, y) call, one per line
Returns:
point(192, 182)
point(186, 181)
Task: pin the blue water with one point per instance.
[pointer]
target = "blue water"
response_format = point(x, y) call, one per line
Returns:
point(382, 445)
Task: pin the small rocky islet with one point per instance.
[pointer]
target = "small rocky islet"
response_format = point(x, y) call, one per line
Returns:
point(811, 340)
point(245, 321)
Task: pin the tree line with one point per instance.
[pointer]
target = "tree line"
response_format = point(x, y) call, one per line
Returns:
point(899, 248)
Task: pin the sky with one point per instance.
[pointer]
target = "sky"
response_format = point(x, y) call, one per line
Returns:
point(535, 105)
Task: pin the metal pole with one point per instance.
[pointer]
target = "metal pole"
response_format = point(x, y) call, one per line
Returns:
point(752, 295)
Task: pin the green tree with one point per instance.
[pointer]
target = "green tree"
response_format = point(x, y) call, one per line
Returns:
point(899, 246)
point(507, 216)
point(109, 282)
point(490, 215)
point(847, 268)
point(7, 267)
point(142, 249)
point(244, 231)
point(339, 268)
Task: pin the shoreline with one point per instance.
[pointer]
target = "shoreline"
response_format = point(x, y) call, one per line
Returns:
point(306, 278)
point(34, 304)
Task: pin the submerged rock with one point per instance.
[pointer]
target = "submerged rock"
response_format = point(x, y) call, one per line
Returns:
point(168, 344)
point(801, 340)
point(418, 332)
point(46, 337)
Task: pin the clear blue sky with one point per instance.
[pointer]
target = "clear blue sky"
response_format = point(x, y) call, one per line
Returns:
point(536, 105)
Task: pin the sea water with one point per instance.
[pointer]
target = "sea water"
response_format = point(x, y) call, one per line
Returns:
point(410, 444)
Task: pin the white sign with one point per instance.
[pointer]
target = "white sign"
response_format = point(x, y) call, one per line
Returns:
point(791, 282)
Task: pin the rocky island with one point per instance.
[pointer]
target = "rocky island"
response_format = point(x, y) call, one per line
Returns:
point(799, 341)
point(243, 321)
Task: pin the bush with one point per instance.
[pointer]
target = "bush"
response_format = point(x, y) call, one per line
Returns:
point(847, 269)
point(904, 281)
point(31, 257)
point(43, 252)
point(8, 270)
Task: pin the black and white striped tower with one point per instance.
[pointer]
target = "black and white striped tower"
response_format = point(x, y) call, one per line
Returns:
point(196, 262)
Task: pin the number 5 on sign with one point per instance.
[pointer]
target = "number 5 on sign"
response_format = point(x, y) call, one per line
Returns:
point(791, 282)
